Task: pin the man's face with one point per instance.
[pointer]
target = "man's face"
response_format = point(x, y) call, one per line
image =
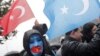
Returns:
point(94, 29)
point(36, 45)
point(78, 35)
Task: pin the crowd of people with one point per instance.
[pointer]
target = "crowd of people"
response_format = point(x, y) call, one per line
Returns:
point(83, 41)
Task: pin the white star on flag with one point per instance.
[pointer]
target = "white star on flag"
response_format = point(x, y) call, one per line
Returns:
point(64, 10)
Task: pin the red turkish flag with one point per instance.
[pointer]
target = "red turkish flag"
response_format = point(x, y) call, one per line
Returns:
point(20, 12)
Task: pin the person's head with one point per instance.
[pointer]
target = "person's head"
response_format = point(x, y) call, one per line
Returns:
point(76, 34)
point(42, 28)
point(89, 28)
point(33, 43)
point(36, 45)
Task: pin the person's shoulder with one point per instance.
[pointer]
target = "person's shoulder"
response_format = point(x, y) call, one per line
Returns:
point(70, 45)
point(68, 42)
point(23, 53)
point(12, 53)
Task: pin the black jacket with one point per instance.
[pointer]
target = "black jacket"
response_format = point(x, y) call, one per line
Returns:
point(71, 47)
point(87, 37)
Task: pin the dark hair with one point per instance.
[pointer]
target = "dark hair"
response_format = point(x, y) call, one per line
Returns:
point(71, 31)
point(87, 28)
point(42, 28)
point(87, 32)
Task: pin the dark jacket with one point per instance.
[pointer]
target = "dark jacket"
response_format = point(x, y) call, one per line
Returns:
point(24, 53)
point(87, 37)
point(71, 47)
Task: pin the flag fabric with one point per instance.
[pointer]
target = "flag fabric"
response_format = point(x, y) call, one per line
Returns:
point(19, 12)
point(48, 10)
point(66, 15)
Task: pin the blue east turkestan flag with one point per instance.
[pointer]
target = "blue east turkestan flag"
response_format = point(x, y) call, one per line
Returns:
point(66, 15)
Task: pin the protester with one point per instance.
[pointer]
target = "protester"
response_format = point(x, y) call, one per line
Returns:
point(35, 43)
point(72, 45)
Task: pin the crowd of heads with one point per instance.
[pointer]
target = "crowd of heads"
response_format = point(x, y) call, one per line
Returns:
point(84, 33)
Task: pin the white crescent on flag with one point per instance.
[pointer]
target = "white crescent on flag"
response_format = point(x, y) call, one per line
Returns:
point(22, 11)
point(86, 6)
